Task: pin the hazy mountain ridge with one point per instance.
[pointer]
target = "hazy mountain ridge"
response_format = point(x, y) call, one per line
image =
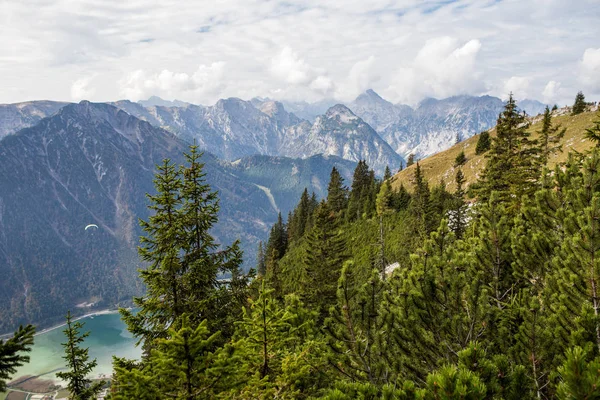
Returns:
point(16, 116)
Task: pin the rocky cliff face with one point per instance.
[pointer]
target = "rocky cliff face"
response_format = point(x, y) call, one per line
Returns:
point(234, 128)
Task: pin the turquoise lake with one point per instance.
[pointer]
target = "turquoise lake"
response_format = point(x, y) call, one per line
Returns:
point(108, 337)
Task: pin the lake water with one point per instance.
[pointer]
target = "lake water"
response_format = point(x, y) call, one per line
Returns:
point(108, 337)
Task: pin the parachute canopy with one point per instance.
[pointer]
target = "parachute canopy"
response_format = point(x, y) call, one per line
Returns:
point(91, 226)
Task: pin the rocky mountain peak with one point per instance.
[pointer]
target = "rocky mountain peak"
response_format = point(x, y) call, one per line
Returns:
point(342, 114)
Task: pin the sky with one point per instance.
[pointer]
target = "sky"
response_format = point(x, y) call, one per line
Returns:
point(298, 50)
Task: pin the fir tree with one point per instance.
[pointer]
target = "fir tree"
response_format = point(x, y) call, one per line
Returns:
point(11, 353)
point(511, 168)
point(579, 105)
point(300, 218)
point(549, 138)
point(387, 174)
point(337, 193)
point(483, 143)
point(361, 191)
point(78, 364)
point(401, 167)
point(325, 253)
point(458, 208)
point(411, 160)
point(420, 202)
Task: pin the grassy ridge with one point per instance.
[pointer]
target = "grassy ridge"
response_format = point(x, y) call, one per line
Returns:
point(440, 166)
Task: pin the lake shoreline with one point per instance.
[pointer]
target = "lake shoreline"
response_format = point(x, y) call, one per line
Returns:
point(90, 314)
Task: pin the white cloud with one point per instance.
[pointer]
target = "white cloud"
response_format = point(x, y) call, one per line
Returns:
point(360, 78)
point(302, 49)
point(518, 86)
point(551, 92)
point(590, 69)
point(81, 90)
point(442, 67)
point(205, 81)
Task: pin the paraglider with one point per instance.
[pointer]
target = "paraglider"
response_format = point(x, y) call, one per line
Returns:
point(91, 226)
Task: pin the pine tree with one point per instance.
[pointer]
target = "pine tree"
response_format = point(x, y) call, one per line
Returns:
point(300, 218)
point(593, 133)
point(361, 191)
point(183, 366)
point(355, 336)
point(420, 202)
point(460, 159)
point(337, 193)
point(511, 168)
point(160, 250)
point(458, 208)
point(11, 350)
point(325, 254)
point(78, 383)
point(580, 377)
point(411, 160)
point(483, 143)
point(261, 260)
point(579, 105)
point(401, 167)
point(387, 174)
point(549, 138)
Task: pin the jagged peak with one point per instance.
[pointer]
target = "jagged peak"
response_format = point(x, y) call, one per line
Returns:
point(340, 110)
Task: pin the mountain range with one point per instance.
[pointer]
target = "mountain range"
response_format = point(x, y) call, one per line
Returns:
point(93, 163)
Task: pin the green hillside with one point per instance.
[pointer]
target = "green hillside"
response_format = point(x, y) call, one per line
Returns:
point(440, 166)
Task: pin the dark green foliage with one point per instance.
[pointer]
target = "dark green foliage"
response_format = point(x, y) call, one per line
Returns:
point(387, 174)
point(458, 207)
point(401, 167)
point(579, 104)
point(555, 107)
point(337, 193)
point(460, 159)
point(363, 193)
point(549, 138)
point(300, 218)
point(484, 143)
point(261, 260)
point(593, 133)
point(325, 254)
point(184, 260)
point(78, 365)
point(411, 160)
point(511, 169)
point(11, 353)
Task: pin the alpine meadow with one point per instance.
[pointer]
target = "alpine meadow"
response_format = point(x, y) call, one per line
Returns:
point(388, 200)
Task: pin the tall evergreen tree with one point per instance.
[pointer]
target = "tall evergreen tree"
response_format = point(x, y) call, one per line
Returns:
point(420, 202)
point(458, 208)
point(549, 137)
point(411, 160)
point(387, 174)
point(11, 353)
point(579, 104)
point(361, 190)
point(325, 253)
point(511, 168)
point(300, 217)
point(78, 365)
point(261, 260)
point(337, 193)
